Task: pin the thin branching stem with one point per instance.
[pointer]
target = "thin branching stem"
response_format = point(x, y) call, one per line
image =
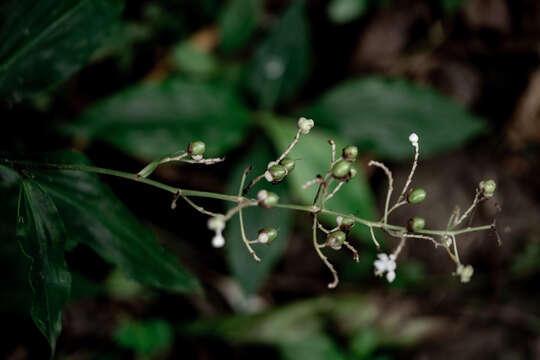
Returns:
point(241, 218)
point(335, 282)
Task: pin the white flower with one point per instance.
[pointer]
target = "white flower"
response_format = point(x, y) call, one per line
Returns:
point(386, 264)
point(465, 273)
point(413, 138)
point(196, 157)
point(217, 223)
point(305, 125)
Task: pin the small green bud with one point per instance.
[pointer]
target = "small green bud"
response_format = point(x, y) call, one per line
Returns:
point(288, 164)
point(345, 223)
point(267, 199)
point(416, 224)
point(416, 196)
point(341, 169)
point(277, 173)
point(196, 148)
point(488, 187)
point(336, 239)
point(267, 235)
point(350, 153)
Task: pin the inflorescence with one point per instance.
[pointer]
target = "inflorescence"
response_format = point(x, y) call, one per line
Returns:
point(340, 171)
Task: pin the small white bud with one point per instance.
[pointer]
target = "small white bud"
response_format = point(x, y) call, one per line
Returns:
point(268, 176)
point(218, 240)
point(413, 138)
point(305, 125)
point(196, 157)
point(339, 220)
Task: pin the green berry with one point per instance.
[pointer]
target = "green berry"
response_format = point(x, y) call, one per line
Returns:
point(341, 169)
point(416, 196)
point(278, 172)
point(345, 223)
point(288, 164)
point(488, 187)
point(336, 239)
point(416, 224)
point(267, 199)
point(267, 235)
point(196, 148)
point(350, 153)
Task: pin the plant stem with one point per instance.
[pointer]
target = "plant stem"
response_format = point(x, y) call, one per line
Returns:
point(237, 199)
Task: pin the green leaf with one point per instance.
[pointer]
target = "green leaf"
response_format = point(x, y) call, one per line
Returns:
point(193, 61)
point(281, 63)
point(42, 236)
point(238, 22)
point(94, 216)
point(314, 153)
point(153, 119)
point(145, 338)
point(344, 11)
point(250, 274)
point(44, 42)
point(381, 113)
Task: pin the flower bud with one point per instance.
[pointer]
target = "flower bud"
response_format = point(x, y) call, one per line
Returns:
point(267, 235)
point(275, 173)
point(341, 169)
point(336, 239)
point(416, 224)
point(288, 164)
point(267, 199)
point(488, 187)
point(305, 125)
point(416, 196)
point(345, 223)
point(465, 273)
point(196, 148)
point(350, 153)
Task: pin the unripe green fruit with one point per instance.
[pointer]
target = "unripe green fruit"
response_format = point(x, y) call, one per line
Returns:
point(196, 148)
point(345, 223)
point(341, 169)
point(336, 239)
point(416, 196)
point(270, 200)
point(267, 235)
point(278, 172)
point(350, 153)
point(416, 224)
point(488, 187)
point(288, 164)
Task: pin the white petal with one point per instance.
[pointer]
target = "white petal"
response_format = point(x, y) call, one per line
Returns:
point(216, 223)
point(380, 265)
point(196, 157)
point(413, 138)
point(218, 241)
point(390, 276)
point(383, 257)
point(339, 220)
point(261, 195)
point(390, 266)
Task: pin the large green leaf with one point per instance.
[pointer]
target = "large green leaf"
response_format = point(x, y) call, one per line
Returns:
point(250, 274)
point(42, 236)
point(238, 22)
point(314, 153)
point(94, 216)
point(44, 42)
point(153, 119)
point(381, 113)
point(281, 63)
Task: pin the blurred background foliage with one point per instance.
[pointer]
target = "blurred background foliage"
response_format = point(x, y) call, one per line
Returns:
point(124, 82)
